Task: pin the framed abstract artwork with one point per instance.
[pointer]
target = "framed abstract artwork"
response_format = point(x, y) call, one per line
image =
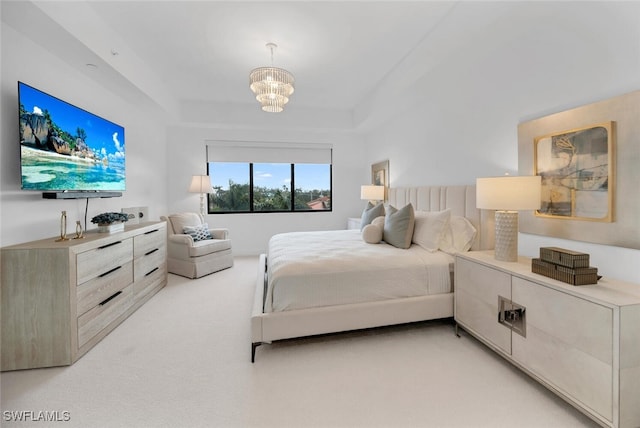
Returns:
point(587, 157)
point(577, 170)
point(380, 176)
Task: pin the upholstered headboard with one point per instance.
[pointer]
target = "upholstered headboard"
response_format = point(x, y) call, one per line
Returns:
point(460, 199)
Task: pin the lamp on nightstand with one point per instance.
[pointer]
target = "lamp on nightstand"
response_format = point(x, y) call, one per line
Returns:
point(372, 193)
point(508, 195)
point(200, 184)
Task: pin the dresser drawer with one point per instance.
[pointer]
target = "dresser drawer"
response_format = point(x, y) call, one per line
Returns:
point(148, 241)
point(94, 291)
point(103, 314)
point(94, 263)
point(152, 260)
point(150, 281)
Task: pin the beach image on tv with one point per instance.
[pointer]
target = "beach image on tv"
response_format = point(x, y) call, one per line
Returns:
point(66, 148)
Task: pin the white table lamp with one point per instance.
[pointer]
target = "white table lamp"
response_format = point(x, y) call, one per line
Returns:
point(372, 193)
point(200, 184)
point(508, 195)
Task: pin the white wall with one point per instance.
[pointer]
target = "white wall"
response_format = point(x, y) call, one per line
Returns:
point(250, 232)
point(458, 121)
point(25, 215)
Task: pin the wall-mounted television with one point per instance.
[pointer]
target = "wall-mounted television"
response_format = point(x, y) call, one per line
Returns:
point(64, 148)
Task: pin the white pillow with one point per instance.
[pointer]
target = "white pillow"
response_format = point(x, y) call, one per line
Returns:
point(430, 228)
point(459, 236)
point(378, 221)
point(372, 234)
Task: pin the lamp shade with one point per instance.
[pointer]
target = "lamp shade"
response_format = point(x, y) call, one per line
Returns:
point(200, 184)
point(509, 193)
point(372, 193)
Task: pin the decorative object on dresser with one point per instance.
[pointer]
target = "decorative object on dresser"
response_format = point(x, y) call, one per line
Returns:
point(79, 230)
point(567, 266)
point(59, 299)
point(200, 184)
point(580, 342)
point(110, 222)
point(508, 195)
point(63, 227)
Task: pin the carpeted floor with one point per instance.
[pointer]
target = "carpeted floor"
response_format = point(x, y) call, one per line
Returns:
point(183, 360)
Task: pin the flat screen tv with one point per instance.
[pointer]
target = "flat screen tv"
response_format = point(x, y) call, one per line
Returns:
point(65, 148)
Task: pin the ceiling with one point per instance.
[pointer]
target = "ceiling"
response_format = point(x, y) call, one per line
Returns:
point(177, 51)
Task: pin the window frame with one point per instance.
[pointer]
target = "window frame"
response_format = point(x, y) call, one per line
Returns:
point(292, 196)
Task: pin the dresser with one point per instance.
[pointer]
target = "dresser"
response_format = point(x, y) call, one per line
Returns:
point(581, 342)
point(59, 299)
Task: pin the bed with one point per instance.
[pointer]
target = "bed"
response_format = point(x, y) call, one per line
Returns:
point(312, 283)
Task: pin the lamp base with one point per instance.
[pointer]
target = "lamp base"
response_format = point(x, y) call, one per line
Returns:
point(506, 236)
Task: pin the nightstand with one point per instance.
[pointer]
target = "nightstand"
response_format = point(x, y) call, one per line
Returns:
point(353, 222)
point(581, 342)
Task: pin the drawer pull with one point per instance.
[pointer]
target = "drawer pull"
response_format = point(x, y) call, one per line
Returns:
point(108, 299)
point(108, 272)
point(110, 245)
point(151, 271)
point(151, 231)
point(151, 252)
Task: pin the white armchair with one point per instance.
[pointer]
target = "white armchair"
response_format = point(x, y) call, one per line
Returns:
point(195, 258)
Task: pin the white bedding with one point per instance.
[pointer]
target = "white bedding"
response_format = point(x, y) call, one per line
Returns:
point(314, 269)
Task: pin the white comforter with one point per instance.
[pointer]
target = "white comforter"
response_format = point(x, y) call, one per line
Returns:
point(313, 269)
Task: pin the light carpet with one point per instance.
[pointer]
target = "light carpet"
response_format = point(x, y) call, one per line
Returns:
point(183, 360)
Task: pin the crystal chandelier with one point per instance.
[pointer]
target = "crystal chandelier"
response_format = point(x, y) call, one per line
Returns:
point(272, 85)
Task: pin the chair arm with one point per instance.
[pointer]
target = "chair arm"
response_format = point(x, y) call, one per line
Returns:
point(219, 233)
point(181, 239)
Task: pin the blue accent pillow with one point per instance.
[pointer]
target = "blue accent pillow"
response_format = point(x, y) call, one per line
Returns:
point(398, 226)
point(198, 233)
point(371, 212)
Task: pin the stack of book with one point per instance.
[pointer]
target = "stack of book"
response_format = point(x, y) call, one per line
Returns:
point(565, 265)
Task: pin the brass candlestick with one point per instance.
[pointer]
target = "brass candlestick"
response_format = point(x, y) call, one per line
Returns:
point(79, 231)
point(63, 227)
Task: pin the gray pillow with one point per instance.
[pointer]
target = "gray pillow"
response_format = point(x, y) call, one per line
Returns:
point(371, 212)
point(398, 226)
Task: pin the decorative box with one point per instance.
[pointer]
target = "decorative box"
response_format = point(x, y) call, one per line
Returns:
point(573, 276)
point(562, 257)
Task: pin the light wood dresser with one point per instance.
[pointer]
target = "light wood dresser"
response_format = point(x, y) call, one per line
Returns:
point(61, 298)
point(581, 342)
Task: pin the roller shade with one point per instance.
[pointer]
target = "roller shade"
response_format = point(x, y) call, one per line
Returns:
point(256, 152)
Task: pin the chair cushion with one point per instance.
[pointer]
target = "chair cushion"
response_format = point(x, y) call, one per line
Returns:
point(208, 246)
point(181, 220)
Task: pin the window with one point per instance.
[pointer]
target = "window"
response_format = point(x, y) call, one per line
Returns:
point(231, 187)
point(264, 185)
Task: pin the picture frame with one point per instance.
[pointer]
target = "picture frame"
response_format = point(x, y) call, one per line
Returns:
point(577, 170)
point(622, 111)
point(380, 176)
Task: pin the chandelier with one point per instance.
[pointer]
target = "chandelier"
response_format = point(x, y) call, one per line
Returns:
point(272, 86)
